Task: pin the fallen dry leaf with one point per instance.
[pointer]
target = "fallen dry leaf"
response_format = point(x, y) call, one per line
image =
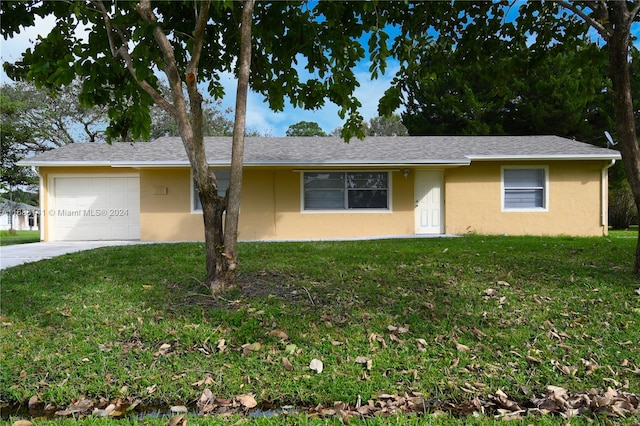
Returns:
point(247, 348)
point(180, 420)
point(567, 370)
point(396, 339)
point(164, 348)
point(490, 292)
point(479, 334)
point(287, 364)
point(247, 400)
point(590, 365)
point(206, 396)
point(208, 380)
point(35, 404)
point(279, 334)
point(366, 361)
point(316, 365)
point(462, 348)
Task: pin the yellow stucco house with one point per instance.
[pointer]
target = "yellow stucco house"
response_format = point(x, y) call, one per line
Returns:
point(312, 188)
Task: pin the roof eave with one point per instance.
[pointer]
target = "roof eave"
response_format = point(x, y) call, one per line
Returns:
point(276, 163)
point(346, 163)
point(542, 157)
point(27, 163)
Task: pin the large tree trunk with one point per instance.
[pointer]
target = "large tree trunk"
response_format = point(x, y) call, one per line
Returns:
point(213, 206)
point(623, 105)
point(227, 276)
point(191, 133)
point(220, 243)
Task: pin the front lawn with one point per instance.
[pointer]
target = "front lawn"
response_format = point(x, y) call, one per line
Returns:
point(448, 320)
point(18, 237)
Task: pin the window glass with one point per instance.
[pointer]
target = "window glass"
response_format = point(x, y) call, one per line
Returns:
point(324, 191)
point(524, 188)
point(345, 190)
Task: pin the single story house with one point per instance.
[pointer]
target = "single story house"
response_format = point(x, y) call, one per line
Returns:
point(18, 216)
point(312, 188)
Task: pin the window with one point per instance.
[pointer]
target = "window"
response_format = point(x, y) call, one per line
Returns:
point(346, 190)
point(223, 177)
point(524, 188)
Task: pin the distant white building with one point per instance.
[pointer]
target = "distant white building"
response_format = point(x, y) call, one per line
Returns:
point(18, 216)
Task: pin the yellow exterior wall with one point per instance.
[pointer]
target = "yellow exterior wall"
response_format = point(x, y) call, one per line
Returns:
point(474, 195)
point(271, 207)
point(289, 222)
point(165, 206)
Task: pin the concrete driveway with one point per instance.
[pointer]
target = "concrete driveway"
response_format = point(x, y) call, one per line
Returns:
point(23, 253)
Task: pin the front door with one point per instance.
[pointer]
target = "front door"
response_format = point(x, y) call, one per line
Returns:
point(428, 202)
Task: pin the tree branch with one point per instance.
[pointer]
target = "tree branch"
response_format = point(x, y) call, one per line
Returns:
point(122, 52)
point(201, 25)
point(634, 12)
point(602, 30)
point(170, 67)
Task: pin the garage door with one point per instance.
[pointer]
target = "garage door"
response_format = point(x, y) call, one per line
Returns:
point(94, 208)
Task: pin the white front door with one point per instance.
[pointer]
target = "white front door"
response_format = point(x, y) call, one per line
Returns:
point(428, 202)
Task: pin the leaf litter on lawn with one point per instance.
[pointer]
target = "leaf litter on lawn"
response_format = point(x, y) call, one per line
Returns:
point(556, 401)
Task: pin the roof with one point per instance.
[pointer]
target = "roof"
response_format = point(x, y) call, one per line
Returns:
point(319, 151)
point(8, 206)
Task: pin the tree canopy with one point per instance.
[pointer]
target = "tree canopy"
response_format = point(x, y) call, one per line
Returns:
point(305, 128)
point(13, 134)
point(561, 92)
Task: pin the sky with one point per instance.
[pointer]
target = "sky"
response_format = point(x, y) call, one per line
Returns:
point(259, 117)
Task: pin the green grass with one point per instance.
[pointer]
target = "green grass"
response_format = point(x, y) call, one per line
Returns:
point(529, 312)
point(18, 237)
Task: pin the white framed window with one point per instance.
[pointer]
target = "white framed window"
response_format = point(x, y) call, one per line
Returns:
point(339, 191)
point(223, 177)
point(525, 188)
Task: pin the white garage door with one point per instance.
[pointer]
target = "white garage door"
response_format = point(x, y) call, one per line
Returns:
point(94, 208)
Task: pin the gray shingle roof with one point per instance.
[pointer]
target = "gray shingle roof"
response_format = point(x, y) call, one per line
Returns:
point(310, 151)
point(8, 206)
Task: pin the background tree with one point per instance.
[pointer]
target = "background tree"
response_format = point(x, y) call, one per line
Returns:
point(386, 125)
point(55, 118)
point(13, 178)
point(305, 128)
point(550, 92)
point(14, 133)
point(215, 121)
point(124, 47)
